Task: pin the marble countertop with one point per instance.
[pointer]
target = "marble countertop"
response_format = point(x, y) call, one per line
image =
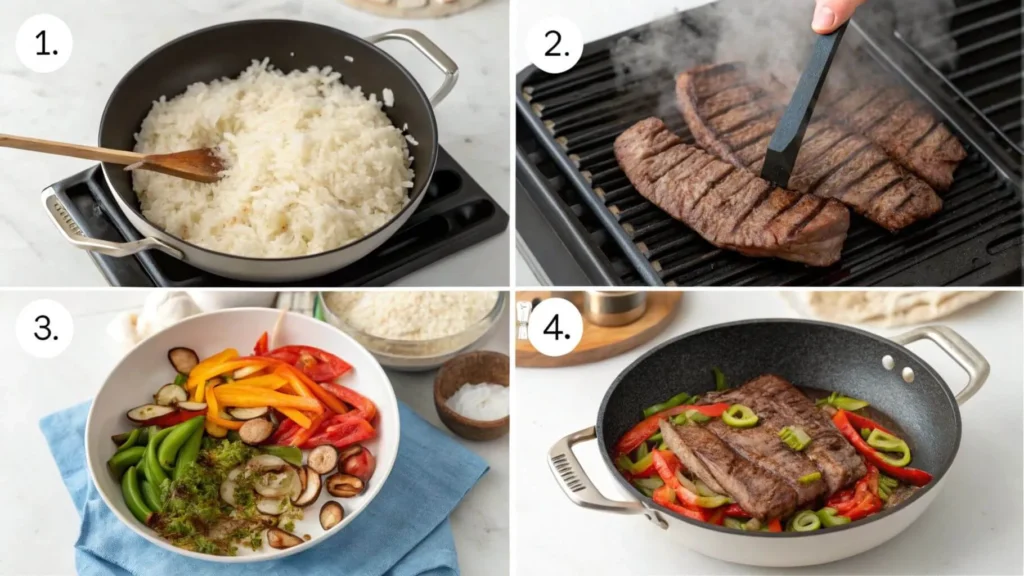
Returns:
point(41, 525)
point(972, 527)
point(110, 36)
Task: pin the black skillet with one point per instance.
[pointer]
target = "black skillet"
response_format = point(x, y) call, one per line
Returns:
point(810, 355)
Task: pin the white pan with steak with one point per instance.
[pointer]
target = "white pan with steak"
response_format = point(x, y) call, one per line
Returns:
point(745, 440)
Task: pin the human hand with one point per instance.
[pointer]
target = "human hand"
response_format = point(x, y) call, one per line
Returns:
point(831, 14)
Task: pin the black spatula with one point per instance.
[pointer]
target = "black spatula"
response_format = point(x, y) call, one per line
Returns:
point(789, 134)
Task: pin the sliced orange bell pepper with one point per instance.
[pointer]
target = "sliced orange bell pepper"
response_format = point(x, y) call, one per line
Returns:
point(213, 414)
point(300, 418)
point(301, 383)
point(268, 381)
point(218, 358)
point(250, 397)
point(201, 375)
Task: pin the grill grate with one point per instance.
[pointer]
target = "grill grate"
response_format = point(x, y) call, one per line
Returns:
point(577, 115)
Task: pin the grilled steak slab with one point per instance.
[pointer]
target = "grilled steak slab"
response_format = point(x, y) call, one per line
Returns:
point(729, 208)
point(778, 404)
point(763, 495)
point(834, 162)
point(904, 129)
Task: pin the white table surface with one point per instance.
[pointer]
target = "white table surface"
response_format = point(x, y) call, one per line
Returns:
point(973, 527)
point(111, 36)
point(596, 20)
point(40, 522)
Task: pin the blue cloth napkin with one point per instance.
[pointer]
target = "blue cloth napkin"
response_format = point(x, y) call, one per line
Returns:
point(403, 532)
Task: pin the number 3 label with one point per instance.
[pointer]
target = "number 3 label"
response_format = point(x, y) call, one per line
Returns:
point(44, 43)
point(44, 328)
point(554, 45)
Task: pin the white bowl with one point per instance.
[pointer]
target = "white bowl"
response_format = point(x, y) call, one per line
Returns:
point(145, 368)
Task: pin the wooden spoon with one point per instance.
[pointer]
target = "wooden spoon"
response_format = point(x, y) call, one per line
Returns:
point(200, 165)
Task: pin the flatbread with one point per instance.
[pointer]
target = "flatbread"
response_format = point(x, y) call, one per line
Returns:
point(888, 309)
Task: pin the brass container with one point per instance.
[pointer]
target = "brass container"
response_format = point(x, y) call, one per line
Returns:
point(613, 308)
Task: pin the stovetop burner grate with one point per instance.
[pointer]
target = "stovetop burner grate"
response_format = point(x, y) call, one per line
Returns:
point(455, 214)
point(574, 118)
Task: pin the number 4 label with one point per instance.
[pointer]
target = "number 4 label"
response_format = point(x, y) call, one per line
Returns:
point(44, 43)
point(555, 327)
point(554, 45)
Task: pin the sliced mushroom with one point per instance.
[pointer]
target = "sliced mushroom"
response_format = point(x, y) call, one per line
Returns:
point(323, 459)
point(192, 406)
point(146, 412)
point(344, 485)
point(280, 539)
point(248, 413)
point(235, 473)
point(360, 465)
point(277, 484)
point(301, 470)
point(311, 491)
point(331, 514)
point(349, 452)
point(169, 395)
point(267, 463)
point(227, 491)
point(183, 359)
point(245, 372)
point(256, 431)
point(272, 506)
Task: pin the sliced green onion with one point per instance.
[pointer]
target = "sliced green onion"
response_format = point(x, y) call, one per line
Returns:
point(679, 419)
point(733, 523)
point(642, 451)
point(829, 518)
point(180, 379)
point(812, 477)
point(670, 403)
point(648, 485)
point(720, 383)
point(844, 402)
point(739, 416)
point(697, 417)
point(794, 437)
point(806, 521)
point(885, 443)
point(703, 489)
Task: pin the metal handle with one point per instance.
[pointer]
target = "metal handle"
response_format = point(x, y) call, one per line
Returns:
point(432, 52)
point(577, 485)
point(73, 233)
point(959, 349)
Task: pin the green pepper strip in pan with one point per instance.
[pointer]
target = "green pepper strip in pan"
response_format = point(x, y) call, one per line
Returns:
point(672, 402)
point(739, 416)
point(720, 383)
point(812, 477)
point(884, 442)
point(805, 521)
point(842, 402)
point(908, 475)
point(829, 518)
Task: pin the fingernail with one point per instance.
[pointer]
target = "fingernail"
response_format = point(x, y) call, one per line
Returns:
point(824, 19)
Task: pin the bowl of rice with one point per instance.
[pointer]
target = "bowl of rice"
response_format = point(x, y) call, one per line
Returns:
point(413, 330)
point(328, 144)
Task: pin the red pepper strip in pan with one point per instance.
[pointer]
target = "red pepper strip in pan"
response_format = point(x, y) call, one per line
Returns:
point(342, 431)
point(908, 475)
point(648, 426)
point(262, 345)
point(775, 525)
point(860, 501)
point(664, 496)
point(668, 466)
point(734, 511)
point(327, 366)
point(284, 432)
point(363, 405)
point(304, 434)
point(859, 422)
point(717, 517)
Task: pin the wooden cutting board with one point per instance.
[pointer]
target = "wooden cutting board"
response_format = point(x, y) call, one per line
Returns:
point(601, 342)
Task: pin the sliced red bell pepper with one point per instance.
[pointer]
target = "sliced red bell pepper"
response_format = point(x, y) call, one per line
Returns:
point(859, 422)
point(648, 426)
point(326, 367)
point(775, 525)
point(717, 516)
point(908, 475)
point(304, 434)
point(664, 496)
point(262, 345)
point(174, 418)
point(304, 386)
point(667, 466)
point(860, 501)
point(351, 431)
point(363, 405)
point(734, 511)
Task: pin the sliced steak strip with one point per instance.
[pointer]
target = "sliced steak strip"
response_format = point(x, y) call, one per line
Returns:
point(891, 203)
point(778, 404)
point(763, 495)
point(761, 446)
point(904, 129)
point(729, 208)
point(690, 460)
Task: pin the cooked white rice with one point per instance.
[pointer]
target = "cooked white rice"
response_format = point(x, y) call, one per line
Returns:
point(310, 163)
point(402, 315)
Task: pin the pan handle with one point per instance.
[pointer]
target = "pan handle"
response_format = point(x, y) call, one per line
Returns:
point(432, 52)
point(577, 485)
point(959, 349)
point(54, 202)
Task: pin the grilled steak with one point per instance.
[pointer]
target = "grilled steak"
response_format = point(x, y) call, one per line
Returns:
point(834, 161)
point(729, 208)
point(687, 457)
point(763, 495)
point(761, 445)
point(778, 404)
point(904, 129)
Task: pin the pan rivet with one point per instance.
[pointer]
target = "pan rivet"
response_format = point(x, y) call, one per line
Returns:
point(908, 375)
point(888, 362)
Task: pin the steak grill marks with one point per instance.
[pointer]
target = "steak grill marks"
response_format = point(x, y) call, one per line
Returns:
point(728, 207)
point(833, 159)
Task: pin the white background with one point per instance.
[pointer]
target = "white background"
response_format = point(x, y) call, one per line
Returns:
point(595, 19)
point(40, 524)
point(973, 527)
point(110, 36)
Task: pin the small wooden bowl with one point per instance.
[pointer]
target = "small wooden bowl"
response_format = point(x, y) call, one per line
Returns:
point(471, 368)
